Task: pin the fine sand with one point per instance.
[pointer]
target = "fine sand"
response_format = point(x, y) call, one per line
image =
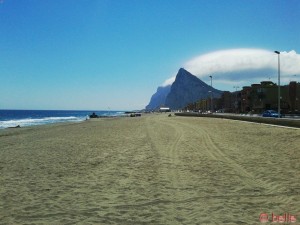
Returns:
point(152, 169)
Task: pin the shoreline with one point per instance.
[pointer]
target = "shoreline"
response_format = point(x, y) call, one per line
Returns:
point(24, 118)
point(63, 122)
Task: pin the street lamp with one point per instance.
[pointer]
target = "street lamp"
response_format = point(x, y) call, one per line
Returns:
point(278, 53)
point(211, 95)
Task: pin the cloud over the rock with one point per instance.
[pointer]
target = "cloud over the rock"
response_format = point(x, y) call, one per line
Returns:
point(237, 65)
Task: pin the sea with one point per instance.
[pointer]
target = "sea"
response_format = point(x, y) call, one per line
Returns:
point(25, 118)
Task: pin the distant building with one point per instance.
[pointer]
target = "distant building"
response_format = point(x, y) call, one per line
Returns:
point(264, 96)
point(245, 99)
point(294, 97)
point(164, 109)
point(254, 99)
point(227, 102)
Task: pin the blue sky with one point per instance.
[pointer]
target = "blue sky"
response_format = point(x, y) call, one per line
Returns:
point(98, 54)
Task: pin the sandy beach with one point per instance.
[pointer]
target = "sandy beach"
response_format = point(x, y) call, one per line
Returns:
point(153, 169)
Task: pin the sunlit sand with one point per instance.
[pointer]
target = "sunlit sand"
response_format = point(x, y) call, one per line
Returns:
point(149, 170)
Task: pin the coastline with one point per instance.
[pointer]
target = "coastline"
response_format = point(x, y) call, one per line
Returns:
point(25, 118)
point(152, 169)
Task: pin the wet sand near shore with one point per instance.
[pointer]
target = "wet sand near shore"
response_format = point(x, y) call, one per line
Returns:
point(152, 169)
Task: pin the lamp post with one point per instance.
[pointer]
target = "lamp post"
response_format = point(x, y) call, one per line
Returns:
point(278, 53)
point(211, 95)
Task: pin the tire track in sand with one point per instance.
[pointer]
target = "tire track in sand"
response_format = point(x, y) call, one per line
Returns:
point(167, 146)
point(255, 183)
point(171, 166)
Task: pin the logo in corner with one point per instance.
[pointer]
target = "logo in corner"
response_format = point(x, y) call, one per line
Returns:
point(263, 218)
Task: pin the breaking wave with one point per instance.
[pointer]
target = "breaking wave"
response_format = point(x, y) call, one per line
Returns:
point(40, 121)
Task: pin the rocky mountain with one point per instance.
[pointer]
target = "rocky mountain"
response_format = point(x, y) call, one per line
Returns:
point(186, 89)
point(159, 98)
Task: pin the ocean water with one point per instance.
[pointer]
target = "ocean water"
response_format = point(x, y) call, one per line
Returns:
point(24, 118)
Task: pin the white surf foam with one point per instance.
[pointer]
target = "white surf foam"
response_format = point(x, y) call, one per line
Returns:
point(41, 121)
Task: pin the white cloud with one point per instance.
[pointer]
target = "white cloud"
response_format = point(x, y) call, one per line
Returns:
point(237, 65)
point(169, 81)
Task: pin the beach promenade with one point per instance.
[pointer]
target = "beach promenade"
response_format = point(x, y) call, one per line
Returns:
point(152, 169)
